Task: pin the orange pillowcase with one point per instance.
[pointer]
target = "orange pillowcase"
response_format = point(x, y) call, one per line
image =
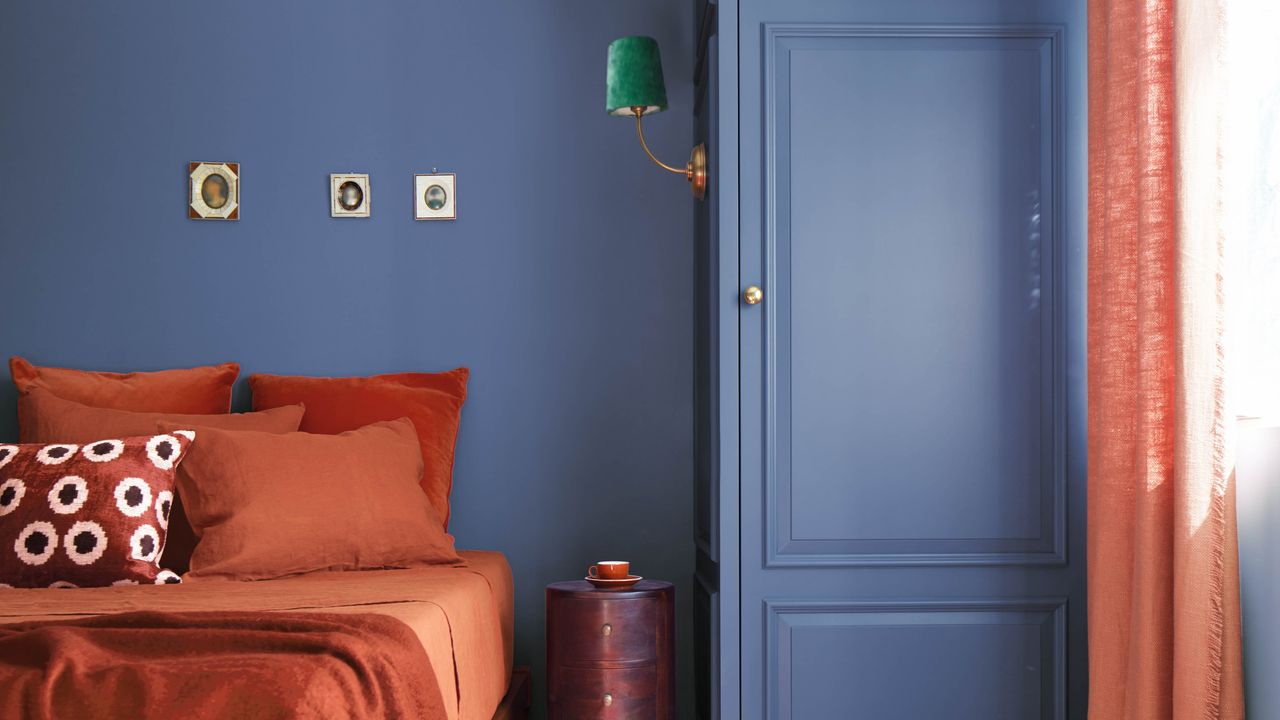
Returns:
point(433, 401)
point(267, 506)
point(53, 419)
point(194, 390)
point(453, 381)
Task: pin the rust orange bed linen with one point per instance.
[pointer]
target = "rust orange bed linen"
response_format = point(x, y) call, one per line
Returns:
point(215, 665)
point(462, 615)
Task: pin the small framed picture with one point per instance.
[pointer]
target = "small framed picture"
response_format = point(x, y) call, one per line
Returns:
point(349, 195)
point(214, 191)
point(435, 197)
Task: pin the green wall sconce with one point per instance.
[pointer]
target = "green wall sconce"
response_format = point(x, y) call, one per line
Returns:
point(635, 88)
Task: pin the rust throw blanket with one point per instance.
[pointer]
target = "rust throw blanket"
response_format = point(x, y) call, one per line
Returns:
point(216, 665)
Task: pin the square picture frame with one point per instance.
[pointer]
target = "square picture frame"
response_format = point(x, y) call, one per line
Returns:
point(435, 196)
point(349, 195)
point(213, 191)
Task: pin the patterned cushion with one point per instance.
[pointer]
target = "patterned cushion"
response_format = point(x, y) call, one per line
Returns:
point(86, 515)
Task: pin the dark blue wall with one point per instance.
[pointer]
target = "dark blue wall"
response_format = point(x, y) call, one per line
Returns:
point(565, 285)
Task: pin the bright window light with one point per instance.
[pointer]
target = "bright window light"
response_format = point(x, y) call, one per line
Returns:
point(1251, 206)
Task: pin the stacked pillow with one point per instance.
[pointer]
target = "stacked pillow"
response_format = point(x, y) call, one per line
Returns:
point(433, 401)
point(49, 418)
point(201, 390)
point(350, 492)
point(334, 502)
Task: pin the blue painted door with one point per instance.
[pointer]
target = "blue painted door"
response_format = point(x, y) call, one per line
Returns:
point(912, 385)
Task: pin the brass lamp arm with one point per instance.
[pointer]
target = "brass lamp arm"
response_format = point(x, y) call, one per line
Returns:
point(695, 172)
point(639, 111)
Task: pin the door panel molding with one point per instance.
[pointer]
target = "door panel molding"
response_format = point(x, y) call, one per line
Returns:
point(1047, 616)
point(1044, 544)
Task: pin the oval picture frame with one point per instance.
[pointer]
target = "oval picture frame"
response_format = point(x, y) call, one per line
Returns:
point(198, 207)
point(435, 196)
point(349, 185)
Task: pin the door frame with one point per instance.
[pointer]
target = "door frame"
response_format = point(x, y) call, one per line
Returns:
point(727, 686)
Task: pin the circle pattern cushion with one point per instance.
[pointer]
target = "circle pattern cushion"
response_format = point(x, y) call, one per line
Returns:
point(88, 514)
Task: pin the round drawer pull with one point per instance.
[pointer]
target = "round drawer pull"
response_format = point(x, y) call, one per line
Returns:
point(606, 630)
point(608, 700)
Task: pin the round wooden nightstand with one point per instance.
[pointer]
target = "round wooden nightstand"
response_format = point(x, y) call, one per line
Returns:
point(611, 653)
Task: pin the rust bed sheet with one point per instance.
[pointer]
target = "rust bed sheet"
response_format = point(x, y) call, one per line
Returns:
point(464, 616)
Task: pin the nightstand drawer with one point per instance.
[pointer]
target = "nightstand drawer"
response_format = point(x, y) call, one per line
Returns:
point(608, 631)
point(622, 693)
point(611, 654)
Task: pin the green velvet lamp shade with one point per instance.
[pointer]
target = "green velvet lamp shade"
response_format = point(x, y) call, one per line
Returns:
point(635, 77)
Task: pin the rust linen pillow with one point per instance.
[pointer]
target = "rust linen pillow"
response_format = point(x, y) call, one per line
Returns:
point(52, 419)
point(453, 381)
point(87, 514)
point(433, 401)
point(267, 506)
point(194, 390)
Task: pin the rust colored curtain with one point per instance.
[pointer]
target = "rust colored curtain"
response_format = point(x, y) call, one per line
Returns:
point(1164, 610)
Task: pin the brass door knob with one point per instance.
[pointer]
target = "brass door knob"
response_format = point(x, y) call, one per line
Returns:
point(753, 295)
point(606, 630)
point(607, 699)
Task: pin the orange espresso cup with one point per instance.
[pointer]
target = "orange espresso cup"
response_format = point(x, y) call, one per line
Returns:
point(610, 570)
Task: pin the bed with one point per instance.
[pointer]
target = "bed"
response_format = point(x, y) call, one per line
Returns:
point(263, 624)
point(463, 617)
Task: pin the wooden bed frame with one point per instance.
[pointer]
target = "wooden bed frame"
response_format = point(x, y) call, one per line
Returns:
point(515, 705)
